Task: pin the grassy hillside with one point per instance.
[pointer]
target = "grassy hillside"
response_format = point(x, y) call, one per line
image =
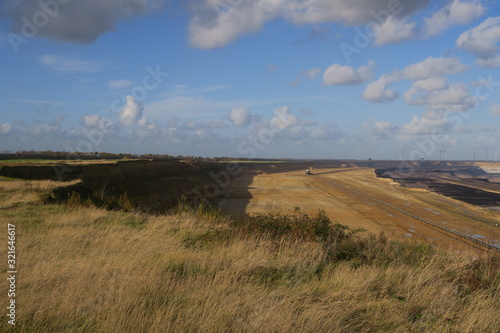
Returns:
point(85, 269)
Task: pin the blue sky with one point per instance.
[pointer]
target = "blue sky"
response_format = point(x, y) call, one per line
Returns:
point(383, 79)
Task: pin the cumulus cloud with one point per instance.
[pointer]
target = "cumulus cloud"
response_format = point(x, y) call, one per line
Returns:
point(393, 31)
point(455, 97)
point(212, 27)
point(215, 23)
point(434, 67)
point(347, 12)
point(132, 114)
point(428, 75)
point(91, 120)
point(283, 119)
point(338, 74)
point(80, 22)
point(378, 92)
point(240, 116)
point(145, 124)
point(492, 62)
point(419, 126)
point(424, 85)
point(432, 83)
point(455, 13)
point(96, 121)
point(287, 126)
point(482, 41)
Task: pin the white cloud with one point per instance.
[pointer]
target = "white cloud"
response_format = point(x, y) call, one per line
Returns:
point(379, 129)
point(338, 74)
point(378, 92)
point(240, 116)
point(464, 12)
point(216, 24)
point(347, 12)
point(62, 64)
point(482, 41)
point(456, 13)
point(492, 62)
point(428, 76)
point(212, 28)
point(91, 120)
point(419, 126)
point(119, 84)
point(393, 31)
point(283, 119)
point(5, 128)
point(131, 112)
point(455, 97)
point(145, 124)
point(105, 125)
point(312, 73)
point(434, 67)
point(495, 110)
point(430, 84)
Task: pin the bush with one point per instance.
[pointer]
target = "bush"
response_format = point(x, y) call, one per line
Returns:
point(125, 203)
point(203, 210)
point(300, 226)
point(338, 240)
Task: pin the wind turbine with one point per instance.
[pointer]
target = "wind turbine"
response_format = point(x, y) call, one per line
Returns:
point(412, 156)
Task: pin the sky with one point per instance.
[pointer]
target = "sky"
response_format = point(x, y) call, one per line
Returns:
point(309, 79)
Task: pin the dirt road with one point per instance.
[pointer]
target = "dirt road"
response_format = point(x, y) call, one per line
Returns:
point(330, 189)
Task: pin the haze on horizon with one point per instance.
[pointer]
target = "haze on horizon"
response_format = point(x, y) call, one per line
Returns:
point(324, 79)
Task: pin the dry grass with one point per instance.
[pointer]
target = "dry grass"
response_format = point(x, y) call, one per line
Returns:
point(14, 192)
point(85, 269)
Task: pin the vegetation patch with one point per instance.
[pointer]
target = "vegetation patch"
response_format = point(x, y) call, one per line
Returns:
point(98, 270)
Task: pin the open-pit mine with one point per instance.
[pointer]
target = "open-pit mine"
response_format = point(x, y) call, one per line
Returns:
point(449, 204)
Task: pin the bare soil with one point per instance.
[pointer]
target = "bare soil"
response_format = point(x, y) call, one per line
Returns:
point(280, 192)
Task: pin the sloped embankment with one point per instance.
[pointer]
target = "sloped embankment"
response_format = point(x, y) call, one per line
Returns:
point(153, 186)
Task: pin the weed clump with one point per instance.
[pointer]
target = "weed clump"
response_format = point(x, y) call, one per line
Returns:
point(202, 210)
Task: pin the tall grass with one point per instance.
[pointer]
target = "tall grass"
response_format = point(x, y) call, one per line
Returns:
point(86, 269)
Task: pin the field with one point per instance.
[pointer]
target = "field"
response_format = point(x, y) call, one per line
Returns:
point(85, 268)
